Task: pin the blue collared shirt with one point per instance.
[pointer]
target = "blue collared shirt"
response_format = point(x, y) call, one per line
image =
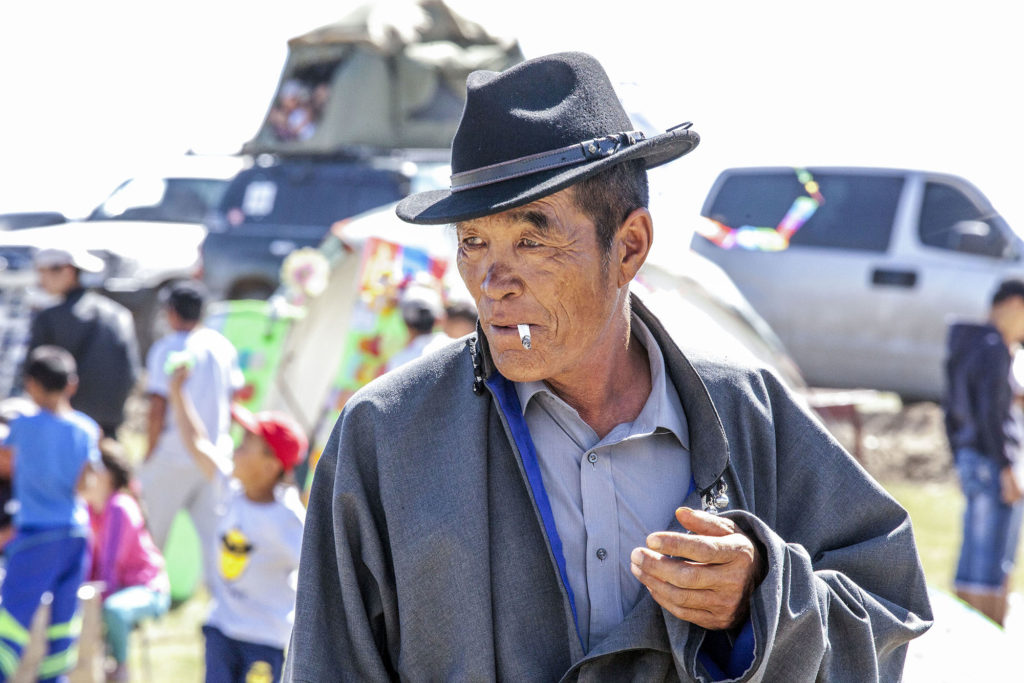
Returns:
point(608, 494)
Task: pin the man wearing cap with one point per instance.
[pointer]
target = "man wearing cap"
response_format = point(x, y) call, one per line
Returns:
point(567, 496)
point(97, 331)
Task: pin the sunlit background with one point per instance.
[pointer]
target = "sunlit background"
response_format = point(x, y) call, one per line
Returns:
point(92, 91)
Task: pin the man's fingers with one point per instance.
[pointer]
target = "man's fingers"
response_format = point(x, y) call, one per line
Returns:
point(706, 549)
point(671, 570)
point(707, 607)
point(703, 523)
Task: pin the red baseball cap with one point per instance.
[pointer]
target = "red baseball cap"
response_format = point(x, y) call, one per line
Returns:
point(283, 434)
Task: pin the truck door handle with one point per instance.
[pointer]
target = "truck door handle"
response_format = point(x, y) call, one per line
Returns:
point(884, 277)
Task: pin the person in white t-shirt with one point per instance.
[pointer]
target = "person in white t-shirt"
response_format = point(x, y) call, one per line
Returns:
point(259, 537)
point(168, 478)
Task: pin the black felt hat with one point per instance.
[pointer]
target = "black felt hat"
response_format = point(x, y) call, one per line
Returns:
point(535, 129)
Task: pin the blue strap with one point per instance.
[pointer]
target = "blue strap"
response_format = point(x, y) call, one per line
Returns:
point(508, 401)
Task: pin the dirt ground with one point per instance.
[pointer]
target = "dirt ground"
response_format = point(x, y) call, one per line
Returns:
point(902, 442)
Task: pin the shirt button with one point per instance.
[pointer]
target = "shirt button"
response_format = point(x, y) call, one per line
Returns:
point(601, 554)
point(592, 458)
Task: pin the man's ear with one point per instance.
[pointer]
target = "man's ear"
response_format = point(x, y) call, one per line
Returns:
point(632, 244)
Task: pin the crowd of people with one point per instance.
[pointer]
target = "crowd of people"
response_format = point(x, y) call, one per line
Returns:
point(74, 502)
point(565, 494)
point(298, 110)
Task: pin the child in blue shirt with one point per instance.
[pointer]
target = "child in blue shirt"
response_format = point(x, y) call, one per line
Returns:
point(54, 451)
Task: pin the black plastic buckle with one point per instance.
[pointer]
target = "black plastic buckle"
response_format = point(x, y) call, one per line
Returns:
point(609, 144)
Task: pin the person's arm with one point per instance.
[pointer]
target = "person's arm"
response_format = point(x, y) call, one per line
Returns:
point(93, 461)
point(156, 392)
point(711, 587)
point(346, 605)
point(190, 427)
point(844, 591)
point(841, 589)
point(40, 331)
point(991, 396)
point(85, 477)
point(116, 541)
point(155, 421)
point(6, 526)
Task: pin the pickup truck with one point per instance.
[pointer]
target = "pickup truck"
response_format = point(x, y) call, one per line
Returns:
point(860, 270)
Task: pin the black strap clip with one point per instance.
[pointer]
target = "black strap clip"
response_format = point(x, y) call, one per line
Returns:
point(609, 144)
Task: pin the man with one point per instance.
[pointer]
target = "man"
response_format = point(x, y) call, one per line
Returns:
point(169, 478)
point(98, 332)
point(459, 319)
point(979, 418)
point(519, 510)
point(420, 306)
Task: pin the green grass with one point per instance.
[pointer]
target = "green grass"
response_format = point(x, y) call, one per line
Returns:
point(935, 511)
point(170, 648)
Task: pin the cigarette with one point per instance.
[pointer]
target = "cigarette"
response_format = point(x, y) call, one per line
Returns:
point(524, 335)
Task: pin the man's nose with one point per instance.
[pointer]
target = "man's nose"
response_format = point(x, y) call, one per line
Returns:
point(501, 281)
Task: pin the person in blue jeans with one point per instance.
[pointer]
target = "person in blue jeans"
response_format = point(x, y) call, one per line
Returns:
point(54, 450)
point(983, 437)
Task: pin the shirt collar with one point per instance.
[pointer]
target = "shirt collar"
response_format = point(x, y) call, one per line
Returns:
point(662, 410)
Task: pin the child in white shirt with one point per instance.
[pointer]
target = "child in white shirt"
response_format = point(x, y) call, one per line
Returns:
point(258, 541)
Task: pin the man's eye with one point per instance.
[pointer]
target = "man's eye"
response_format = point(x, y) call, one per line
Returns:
point(529, 243)
point(469, 242)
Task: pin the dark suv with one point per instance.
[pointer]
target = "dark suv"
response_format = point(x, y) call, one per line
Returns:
point(274, 208)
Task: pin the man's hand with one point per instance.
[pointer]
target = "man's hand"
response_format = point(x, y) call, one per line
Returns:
point(705, 577)
point(1009, 486)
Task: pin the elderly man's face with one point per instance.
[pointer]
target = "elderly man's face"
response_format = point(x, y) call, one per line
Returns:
point(541, 265)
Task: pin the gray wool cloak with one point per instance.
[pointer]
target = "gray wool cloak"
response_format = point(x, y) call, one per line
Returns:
point(424, 556)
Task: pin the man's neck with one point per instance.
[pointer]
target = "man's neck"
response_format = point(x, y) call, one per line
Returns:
point(54, 403)
point(609, 391)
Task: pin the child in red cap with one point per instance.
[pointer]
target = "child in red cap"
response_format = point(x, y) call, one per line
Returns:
point(258, 538)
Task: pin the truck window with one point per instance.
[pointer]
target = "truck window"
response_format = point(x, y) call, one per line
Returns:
point(857, 212)
point(306, 194)
point(951, 220)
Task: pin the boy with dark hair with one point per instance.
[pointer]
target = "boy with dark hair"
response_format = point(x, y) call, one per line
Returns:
point(978, 417)
point(54, 450)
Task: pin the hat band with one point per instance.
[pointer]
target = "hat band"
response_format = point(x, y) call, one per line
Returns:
point(587, 150)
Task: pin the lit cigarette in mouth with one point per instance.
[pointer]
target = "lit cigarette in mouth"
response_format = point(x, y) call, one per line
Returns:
point(524, 335)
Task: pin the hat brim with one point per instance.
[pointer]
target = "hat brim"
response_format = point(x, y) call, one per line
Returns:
point(444, 206)
point(244, 417)
point(82, 260)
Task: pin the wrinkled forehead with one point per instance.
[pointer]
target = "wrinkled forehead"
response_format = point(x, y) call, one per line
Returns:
point(538, 213)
